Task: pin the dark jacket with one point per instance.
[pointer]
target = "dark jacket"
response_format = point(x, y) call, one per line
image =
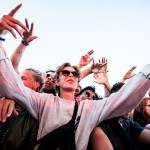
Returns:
point(22, 132)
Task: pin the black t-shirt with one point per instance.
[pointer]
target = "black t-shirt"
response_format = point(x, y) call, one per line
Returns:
point(123, 137)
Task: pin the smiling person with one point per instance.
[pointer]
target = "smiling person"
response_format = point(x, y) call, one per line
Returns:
point(63, 113)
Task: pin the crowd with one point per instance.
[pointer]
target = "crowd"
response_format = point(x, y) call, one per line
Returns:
point(51, 110)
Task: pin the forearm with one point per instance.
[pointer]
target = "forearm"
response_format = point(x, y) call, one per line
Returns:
point(129, 96)
point(85, 72)
point(17, 55)
point(11, 86)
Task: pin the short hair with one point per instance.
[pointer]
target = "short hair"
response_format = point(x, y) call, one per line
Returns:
point(60, 68)
point(38, 76)
point(49, 70)
point(92, 88)
point(116, 87)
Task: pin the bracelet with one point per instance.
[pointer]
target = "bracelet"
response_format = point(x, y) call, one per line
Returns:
point(2, 39)
point(24, 43)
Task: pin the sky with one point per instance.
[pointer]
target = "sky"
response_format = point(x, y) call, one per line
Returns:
point(118, 30)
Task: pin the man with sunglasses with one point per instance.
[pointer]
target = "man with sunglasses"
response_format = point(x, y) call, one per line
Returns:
point(88, 93)
point(55, 111)
point(49, 85)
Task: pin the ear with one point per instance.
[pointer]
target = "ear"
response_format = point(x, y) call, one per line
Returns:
point(57, 82)
point(36, 85)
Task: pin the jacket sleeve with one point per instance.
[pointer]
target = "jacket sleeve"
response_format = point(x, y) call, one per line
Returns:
point(11, 86)
point(127, 98)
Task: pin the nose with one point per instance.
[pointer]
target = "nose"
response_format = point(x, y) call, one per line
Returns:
point(70, 75)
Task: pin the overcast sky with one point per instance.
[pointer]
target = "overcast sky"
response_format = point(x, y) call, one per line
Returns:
point(67, 29)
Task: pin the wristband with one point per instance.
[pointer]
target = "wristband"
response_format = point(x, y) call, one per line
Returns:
point(24, 43)
point(2, 39)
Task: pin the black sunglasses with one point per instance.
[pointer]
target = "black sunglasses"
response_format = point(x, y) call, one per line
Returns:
point(67, 73)
point(89, 95)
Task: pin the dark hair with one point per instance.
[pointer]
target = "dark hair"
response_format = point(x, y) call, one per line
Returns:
point(116, 87)
point(49, 70)
point(92, 88)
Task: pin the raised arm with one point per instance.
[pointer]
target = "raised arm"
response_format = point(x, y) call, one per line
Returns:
point(27, 38)
point(11, 85)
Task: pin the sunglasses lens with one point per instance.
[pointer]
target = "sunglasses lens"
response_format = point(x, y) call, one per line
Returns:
point(88, 94)
point(67, 73)
point(48, 75)
point(75, 74)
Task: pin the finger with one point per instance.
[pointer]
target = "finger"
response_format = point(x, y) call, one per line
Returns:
point(91, 59)
point(26, 21)
point(12, 13)
point(5, 110)
point(32, 38)
point(1, 106)
point(18, 23)
point(15, 112)
point(7, 27)
point(133, 75)
point(91, 52)
point(14, 26)
point(11, 108)
point(31, 29)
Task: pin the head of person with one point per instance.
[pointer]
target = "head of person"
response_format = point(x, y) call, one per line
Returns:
point(32, 78)
point(78, 89)
point(66, 78)
point(116, 87)
point(88, 93)
point(142, 112)
point(49, 85)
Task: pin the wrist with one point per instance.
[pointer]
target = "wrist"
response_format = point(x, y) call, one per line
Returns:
point(25, 43)
point(2, 39)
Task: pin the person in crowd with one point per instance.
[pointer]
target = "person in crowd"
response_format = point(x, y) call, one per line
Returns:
point(18, 129)
point(49, 85)
point(122, 133)
point(141, 113)
point(46, 107)
point(89, 92)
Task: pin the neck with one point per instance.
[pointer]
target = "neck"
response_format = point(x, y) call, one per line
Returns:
point(67, 95)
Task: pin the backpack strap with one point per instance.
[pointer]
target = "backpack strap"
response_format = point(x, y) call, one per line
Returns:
point(75, 110)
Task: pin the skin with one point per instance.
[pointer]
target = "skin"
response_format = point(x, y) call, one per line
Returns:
point(84, 96)
point(67, 84)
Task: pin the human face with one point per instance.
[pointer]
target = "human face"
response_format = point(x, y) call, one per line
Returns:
point(88, 94)
point(49, 81)
point(28, 79)
point(67, 81)
point(147, 108)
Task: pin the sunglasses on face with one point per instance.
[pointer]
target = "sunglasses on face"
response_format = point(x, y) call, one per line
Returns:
point(88, 94)
point(67, 73)
point(48, 75)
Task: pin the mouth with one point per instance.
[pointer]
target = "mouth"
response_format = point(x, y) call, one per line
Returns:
point(70, 81)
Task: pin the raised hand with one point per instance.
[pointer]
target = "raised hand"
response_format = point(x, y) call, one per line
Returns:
point(100, 78)
point(99, 66)
point(129, 74)
point(27, 35)
point(8, 22)
point(86, 59)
